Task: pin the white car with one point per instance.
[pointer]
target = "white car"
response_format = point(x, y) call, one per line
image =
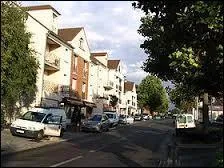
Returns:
point(113, 118)
point(126, 119)
point(39, 122)
point(145, 116)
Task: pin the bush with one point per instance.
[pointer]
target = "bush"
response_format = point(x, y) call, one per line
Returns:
point(219, 159)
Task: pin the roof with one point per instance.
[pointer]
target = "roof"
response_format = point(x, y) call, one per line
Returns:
point(128, 86)
point(113, 64)
point(41, 7)
point(68, 34)
point(96, 61)
point(52, 33)
point(96, 54)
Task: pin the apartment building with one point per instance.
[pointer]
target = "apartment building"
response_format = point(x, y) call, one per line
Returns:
point(53, 54)
point(79, 68)
point(99, 84)
point(116, 75)
point(131, 97)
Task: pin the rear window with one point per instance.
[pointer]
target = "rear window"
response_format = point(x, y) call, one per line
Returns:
point(181, 119)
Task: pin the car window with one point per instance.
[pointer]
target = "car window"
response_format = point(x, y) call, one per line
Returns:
point(181, 119)
point(189, 119)
point(96, 118)
point(33, 116)
point(105, 117)
point(109, 115)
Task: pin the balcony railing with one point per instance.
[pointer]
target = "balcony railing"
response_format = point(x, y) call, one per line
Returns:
point(50, 87)
point(109, 85)
point(52, 62)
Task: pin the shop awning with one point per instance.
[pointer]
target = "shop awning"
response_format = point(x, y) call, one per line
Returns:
point(72, 101)
point(89, 104)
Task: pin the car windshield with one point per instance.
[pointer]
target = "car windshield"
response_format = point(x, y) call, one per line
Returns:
point(33, 116)
point(96, 118)
point(145, 114)
point(122, 116)
point(110, 115)
point(137, 115)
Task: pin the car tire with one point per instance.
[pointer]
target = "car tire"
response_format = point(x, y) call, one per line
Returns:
point(62, 132)
point(40, 135)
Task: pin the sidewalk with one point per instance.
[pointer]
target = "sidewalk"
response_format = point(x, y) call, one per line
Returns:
point(192, 154)
point(11, 144)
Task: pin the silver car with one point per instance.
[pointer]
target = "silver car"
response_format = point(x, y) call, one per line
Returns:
point(97, 123)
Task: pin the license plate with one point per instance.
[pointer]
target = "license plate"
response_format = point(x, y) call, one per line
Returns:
point(20, 131)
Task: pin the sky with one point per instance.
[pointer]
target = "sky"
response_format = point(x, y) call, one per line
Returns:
point(110, 26)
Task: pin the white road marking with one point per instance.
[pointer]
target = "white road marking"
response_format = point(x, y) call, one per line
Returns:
point(67, 161)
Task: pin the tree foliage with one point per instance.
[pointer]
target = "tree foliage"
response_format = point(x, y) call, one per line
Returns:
point(184, 41)
point(18, 64)
point(152, 94)
point(182, 97)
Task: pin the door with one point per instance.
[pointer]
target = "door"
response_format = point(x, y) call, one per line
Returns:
point(105, 122)
point(52, 125)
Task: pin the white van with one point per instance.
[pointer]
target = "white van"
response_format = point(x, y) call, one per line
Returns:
point(40, 122)
point(184, 123)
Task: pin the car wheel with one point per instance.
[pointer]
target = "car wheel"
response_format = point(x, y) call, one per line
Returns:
point(62, 133)
point(40, 135)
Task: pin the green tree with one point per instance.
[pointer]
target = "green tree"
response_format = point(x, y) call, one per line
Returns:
point(113, 100)
point(184, 41)
point(18, 64)
point(152, 94)
point(182, 98)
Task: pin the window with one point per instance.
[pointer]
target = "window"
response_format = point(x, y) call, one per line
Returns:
point(33, 116)
point(83, 87)
point(128, 101)
point(81, 43)
point(74, 82)
point(75, 62)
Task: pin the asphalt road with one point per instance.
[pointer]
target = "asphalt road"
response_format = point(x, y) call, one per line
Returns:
point(140, 145)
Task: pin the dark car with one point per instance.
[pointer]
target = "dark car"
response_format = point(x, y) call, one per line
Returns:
point(97, 123)
point(138, 117)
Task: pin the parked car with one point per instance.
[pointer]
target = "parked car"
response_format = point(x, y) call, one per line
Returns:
point(157, 117)
point(218, 122)
point(97, 123)
point(113, 118)
point(145, 116)
point(39, 122)
point(138, 117)
point(126, 119)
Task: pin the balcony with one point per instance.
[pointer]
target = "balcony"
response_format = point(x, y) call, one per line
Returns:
point(50, 87)
point(109, 85)
point(52, 62)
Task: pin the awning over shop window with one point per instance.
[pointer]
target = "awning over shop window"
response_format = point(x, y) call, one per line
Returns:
point(89, 104)
point(73, 101)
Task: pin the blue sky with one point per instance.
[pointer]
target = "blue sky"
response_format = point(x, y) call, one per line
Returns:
point(110, 26)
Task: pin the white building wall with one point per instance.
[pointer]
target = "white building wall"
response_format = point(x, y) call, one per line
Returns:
point(38, 43)
point(46, 18)
point(85, 52)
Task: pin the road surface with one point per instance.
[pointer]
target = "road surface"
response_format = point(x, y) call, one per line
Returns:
point(141, 144)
